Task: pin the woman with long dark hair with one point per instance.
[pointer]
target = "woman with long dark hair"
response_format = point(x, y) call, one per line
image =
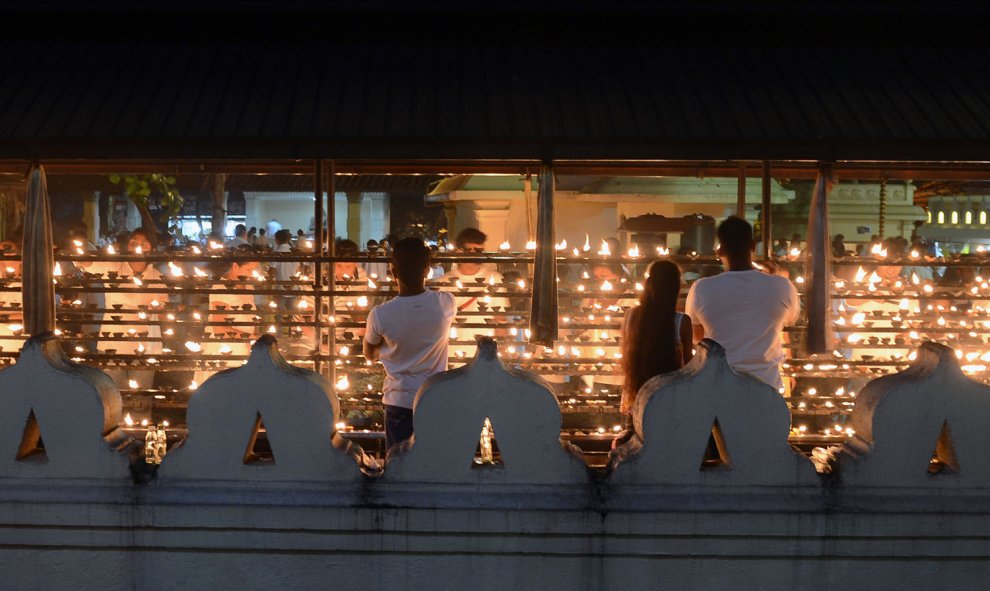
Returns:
point(656, 338)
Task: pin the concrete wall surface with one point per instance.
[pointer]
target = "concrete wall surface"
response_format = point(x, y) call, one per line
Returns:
point(83, 536)
point(905, 505)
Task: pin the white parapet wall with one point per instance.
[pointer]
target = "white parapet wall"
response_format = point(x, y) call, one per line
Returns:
point(887, 521)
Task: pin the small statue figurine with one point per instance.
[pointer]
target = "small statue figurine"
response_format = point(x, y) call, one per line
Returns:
point(487, 457)
point(150, 443)
point(161, 443)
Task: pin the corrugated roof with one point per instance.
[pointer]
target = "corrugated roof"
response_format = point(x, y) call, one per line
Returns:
point(284, 99)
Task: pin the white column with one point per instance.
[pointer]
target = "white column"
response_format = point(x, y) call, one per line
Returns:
point(492, 218)
point(91, 216)
point(374, 217)
point(133, 216)
point(340, 215)
point(252, 211)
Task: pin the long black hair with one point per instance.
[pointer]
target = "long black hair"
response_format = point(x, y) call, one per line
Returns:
point(650, 344)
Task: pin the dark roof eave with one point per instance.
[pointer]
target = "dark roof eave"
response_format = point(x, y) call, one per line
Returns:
point(906, 149)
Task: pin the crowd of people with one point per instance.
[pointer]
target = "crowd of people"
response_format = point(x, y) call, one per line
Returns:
point(744, 309)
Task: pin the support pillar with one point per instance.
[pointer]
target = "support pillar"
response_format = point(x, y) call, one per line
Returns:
point(354, 216)
point(219, 220)
point(450, 213)
point(91, 216)
point(818, 266)
point(766, 220)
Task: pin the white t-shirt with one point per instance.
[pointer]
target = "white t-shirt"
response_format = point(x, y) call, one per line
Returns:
point(284, 271)
point(413, 333)
point(744, 311)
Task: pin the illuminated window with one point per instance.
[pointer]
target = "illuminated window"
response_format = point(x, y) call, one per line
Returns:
point(968, 217)
point(955, 217)
point(929, 216)
point(941, 217)
point(983, 218)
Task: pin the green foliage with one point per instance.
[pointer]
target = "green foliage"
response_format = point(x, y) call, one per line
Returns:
point(139, 188)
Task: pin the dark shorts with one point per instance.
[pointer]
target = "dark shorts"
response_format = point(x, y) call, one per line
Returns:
point(398, 425)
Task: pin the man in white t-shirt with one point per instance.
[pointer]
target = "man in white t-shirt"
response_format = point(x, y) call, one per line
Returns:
point(240, 237)
point(284, 271)
point(408, 334)
point(744, 309)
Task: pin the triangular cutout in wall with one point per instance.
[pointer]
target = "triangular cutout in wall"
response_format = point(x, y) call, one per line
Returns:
point(32, 447)
point(944, 459)
point(486, 454)
point(717, 451)
point(259, 451)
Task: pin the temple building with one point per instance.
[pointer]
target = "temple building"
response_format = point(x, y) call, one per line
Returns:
point(196, 222)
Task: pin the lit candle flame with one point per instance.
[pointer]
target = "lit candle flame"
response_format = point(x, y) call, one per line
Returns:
point(634, 250)
point(342, 383)
point(132, 384)
point(587, 243)
point(58, 270)
point(531, 245)
point(561, 245)
point(505, 245)
point(128, 420)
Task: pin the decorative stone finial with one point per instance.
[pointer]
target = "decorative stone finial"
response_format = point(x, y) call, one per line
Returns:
point(295, 408)
point(59, 419)
point(709, 425)
point(450, 415)
point(924, 426)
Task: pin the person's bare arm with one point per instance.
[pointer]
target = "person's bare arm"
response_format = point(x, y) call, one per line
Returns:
point(688, 331)
point(698, 332)
point(371, 352)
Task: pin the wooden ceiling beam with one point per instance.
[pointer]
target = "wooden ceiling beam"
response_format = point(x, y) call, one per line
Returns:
point(928, 171)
